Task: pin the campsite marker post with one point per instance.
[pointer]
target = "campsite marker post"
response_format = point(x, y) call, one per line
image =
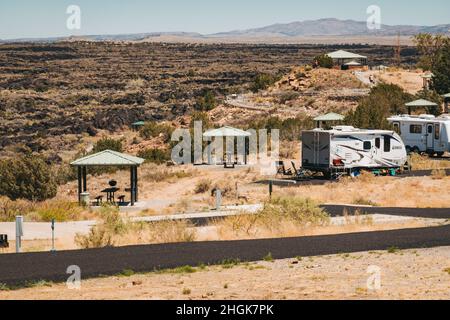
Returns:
point(19, 233)
point(53, 236)
point(218, 199)
point(270, 189)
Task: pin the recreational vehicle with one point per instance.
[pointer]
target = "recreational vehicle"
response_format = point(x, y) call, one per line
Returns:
point(347, 150)
point(424, 133)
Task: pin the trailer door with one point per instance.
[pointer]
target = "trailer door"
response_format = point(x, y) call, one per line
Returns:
point(316, 150)
point(430, 136)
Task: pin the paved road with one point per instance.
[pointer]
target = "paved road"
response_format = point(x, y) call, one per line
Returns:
point(322, 181)
point(431, 213)
point(20, 268)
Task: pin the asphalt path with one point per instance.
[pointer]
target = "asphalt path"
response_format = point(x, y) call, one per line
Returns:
point(18, 269)
point(289, 182)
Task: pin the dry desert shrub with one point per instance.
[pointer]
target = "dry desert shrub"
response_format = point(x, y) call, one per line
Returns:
point(158, 173)
point(45, 211)
point(203, 186)
point(419, 162)
point(438, 174)
point(115, 231)
point(282, 216)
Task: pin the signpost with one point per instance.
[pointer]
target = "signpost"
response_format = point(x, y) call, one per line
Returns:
point(53, 236)
point(19, 233)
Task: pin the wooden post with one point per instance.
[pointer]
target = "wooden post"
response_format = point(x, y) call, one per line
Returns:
point(136, 183)
point(79, 185)
point(132, 185)
point(270, 189)
point(84, 179)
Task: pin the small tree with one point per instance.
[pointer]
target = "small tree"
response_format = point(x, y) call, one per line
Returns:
point(383, 101)
point(207, 102)
point(108, 144)
point(324, 61)
point(263, 81)
point(27, 177)
point(441, 70)
point(429, 47)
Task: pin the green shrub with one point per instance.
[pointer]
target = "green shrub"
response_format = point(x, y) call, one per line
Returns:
point(154, 130)
point(206, 102)
point(155, 155)
point(263, 81)
point(108, 144)
point(27, 177)
point(383, 101)
point(324, 61)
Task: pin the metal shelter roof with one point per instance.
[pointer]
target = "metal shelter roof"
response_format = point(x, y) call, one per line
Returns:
point(341, 54)
point(226, 132)
point(421, 103)
point(108, 158)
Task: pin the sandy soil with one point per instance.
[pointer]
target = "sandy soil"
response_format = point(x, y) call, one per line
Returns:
point(410, 274)
point(410, 81)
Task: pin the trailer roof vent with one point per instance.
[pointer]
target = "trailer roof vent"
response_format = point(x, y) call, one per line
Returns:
point(427, 116)
point(345, 128)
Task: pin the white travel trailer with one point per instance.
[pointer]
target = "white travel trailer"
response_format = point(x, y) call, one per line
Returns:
point(424, 133)
point(347, 150)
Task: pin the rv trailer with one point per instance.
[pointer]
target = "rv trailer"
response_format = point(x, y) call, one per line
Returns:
point(424, 133)
point(347, 150)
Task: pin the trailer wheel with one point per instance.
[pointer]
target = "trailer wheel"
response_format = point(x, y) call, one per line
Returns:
point(439, 154)
point(416, 150)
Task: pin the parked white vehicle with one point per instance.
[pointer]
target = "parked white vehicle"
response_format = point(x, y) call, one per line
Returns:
point(424, 133)
point(345, 149)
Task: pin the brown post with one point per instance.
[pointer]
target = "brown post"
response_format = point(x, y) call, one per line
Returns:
point(131, 186)
point(84, 169)
point(136, 183)
point(79, 184)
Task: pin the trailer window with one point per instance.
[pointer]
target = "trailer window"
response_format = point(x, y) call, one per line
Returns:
point(367, 145)
point(378, 143)
point(437, 131)
point(430, 129)
point(415, 128)
point(387, 144)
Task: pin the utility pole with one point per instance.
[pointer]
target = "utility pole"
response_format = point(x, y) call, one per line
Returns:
point(398, 51)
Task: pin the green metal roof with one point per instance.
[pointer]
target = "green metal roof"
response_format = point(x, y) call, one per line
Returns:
point(139, 123)
point(446, 95)
point(330, 117)
point(421, 103)
point(341, 54)
point(227, 132)
point(108, 158)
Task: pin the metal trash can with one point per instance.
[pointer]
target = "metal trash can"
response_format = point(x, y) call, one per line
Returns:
point(85, 198)
point(4, 241)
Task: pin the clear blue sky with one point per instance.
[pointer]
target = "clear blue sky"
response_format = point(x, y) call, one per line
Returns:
point(44, 18)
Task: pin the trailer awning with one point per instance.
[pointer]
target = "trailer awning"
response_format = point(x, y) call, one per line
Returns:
point(330, 117)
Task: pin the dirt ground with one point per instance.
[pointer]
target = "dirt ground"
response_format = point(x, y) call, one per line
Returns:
point(410, 81)
point(409, 274)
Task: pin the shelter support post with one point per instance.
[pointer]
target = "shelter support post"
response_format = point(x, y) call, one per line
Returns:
point(80, 189)
point(84, 169)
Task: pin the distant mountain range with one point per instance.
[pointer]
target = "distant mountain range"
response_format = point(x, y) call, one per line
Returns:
point(311, 28)
point(335, 27)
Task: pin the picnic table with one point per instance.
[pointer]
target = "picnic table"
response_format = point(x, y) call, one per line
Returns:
point(111, 194)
